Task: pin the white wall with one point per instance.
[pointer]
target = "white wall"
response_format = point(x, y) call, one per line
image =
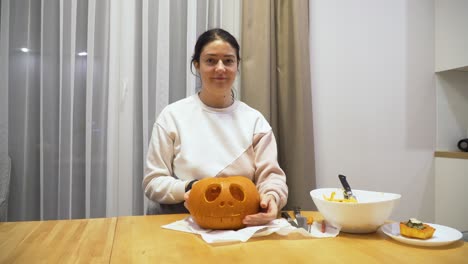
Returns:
point(373, 91)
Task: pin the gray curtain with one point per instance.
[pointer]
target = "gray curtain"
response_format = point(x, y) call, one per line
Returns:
point(54, 173)
point(5, 166)
point(4, 159)
point(276, 81)
point(82, 82)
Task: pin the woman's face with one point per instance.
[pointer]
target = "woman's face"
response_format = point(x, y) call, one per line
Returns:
point(217, 67)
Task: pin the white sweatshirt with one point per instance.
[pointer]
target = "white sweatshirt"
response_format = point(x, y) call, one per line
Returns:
point(193, 141)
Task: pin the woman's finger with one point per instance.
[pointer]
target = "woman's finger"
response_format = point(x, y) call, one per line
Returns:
point(266, 200)
point(262, 218)
point(186, 196)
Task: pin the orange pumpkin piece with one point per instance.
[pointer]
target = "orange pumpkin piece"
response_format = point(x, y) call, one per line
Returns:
point(223, 202)
point(425, 232)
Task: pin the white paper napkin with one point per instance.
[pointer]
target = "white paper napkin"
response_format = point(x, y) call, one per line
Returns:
point(279, 226)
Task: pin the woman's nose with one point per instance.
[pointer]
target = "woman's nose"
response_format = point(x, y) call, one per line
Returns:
point(220, 66)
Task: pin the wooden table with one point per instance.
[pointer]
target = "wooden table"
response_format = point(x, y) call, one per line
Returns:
point(140, 239)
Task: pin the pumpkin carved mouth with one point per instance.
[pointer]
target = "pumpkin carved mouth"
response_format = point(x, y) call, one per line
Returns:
point(225, 216)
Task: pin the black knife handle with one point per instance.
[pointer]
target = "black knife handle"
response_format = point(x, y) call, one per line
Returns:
point(286, 215)
point(344, 182)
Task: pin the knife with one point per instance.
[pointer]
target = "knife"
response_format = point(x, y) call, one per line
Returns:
point(288, 218)
point(348, 194)
point(300, 219)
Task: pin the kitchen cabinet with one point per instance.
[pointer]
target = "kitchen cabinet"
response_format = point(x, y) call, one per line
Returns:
point(451, 35)
point(451, 180)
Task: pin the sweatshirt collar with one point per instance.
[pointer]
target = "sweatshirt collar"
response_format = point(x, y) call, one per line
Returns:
point(228, 109)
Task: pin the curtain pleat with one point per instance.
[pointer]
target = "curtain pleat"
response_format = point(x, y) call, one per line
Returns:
point(161, 98)
point(276, 81)
point(41, 119)
point(296, 144)
point(259, 60)
point(23, 85)
point(89, 102)
point(112, 146)
point(145, 77)
point(50, 25)
point(126, 109)
point(100, 93)
point(177, 45)
point(192, 15)
point(66, 118)
point(5, 167)
point(72, 133)
point(152, 35)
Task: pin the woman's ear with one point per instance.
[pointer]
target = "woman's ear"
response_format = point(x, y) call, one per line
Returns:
point(197, 65)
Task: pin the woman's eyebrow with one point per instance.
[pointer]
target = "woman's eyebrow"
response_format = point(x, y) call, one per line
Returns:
point(215, 55)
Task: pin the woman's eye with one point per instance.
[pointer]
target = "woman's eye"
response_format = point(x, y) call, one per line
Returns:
point(229, 62)
point(210, 61)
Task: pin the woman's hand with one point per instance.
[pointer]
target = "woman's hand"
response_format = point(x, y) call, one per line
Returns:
point(187, 193)
point(268, 212)
point(186, 196)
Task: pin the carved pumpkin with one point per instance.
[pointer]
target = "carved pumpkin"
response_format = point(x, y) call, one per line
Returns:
point(223, 202)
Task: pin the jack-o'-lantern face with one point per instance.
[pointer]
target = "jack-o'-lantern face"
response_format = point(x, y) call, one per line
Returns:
point(222, 202)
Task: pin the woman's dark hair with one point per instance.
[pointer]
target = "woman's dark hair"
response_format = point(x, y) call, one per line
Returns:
point(212, 35)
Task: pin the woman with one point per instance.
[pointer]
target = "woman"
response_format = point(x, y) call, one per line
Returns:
point(210, 134)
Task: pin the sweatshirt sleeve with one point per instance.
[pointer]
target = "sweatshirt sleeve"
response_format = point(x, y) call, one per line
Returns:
point(158, 183)
point(269, 177)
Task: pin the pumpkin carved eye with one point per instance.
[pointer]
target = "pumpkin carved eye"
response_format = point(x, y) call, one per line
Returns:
point(212, 192)
point(237, 192)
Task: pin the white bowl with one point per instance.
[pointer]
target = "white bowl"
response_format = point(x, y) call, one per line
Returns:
point(365, 216)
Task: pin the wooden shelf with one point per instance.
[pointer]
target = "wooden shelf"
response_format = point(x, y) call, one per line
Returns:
point(451, 154)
